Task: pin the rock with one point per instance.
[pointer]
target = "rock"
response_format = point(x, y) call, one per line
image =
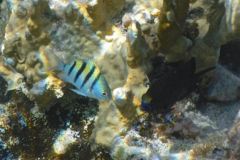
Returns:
point(233, 139)
point(3, 91)
point(224, 87)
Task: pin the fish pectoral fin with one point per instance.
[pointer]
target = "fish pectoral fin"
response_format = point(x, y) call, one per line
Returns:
point(77, 92)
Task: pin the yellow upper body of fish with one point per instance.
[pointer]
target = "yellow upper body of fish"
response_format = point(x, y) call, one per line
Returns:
point(87, 79)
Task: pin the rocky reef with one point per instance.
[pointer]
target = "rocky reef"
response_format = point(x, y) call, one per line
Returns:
point(183, 55)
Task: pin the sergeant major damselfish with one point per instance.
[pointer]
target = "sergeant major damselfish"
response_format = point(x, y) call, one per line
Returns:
point(86, 78)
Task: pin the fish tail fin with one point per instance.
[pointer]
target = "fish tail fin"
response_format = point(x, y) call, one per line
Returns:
point(53, 64)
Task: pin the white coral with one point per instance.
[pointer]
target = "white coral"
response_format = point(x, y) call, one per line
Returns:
point(64, 140)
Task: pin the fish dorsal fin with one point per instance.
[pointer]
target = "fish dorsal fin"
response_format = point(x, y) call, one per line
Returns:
point(88, 60)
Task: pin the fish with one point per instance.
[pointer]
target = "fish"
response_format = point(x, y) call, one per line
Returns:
point(86, 78)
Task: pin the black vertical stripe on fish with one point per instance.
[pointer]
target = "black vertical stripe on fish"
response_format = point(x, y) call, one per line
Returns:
point(88, 76)
point(71, 68)
point(95, 81)
point(80, 71)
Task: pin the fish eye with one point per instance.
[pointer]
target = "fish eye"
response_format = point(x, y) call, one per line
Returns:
point(104, 93)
